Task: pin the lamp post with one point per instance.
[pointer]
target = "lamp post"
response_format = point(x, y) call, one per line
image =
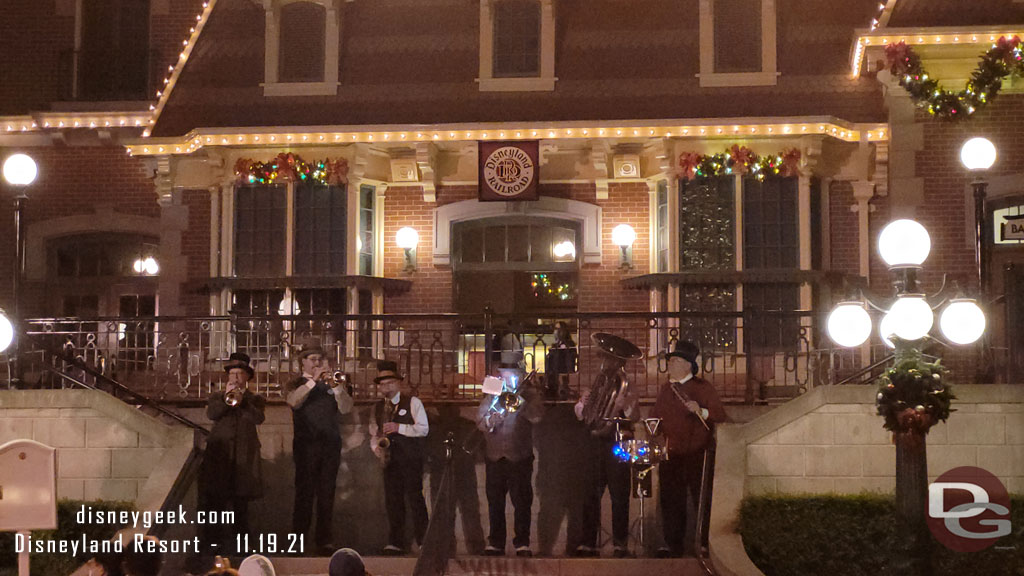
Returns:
point(19, 172)
point(978, 155)
point(912, 395)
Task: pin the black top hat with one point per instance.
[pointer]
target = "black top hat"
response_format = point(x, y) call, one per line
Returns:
point(687, 351)
point(387, 370)
point(310, 346)
point(239, 360)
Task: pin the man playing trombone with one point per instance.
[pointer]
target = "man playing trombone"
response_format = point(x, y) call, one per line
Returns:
point(689, 408)
point(507, 419)
point(316, 400)
point(230, 474)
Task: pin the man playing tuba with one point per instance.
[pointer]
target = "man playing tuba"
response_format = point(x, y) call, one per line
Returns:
point(230, 474)
point(610, 398)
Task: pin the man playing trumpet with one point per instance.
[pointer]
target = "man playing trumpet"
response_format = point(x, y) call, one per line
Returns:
point(230, 474)
point(316, 399)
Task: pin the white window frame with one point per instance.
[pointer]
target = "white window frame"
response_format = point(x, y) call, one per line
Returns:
point(543, 83)
point(768, 76)
point(329, 86)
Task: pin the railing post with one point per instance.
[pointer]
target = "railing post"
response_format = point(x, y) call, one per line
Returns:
point(488, 341)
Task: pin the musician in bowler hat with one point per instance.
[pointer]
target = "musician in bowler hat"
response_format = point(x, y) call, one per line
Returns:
point(689, 408)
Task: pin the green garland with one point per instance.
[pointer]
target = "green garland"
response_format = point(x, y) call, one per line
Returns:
point(1003, 59)
point(738, 160)
point(288, 166)
point(912, 395)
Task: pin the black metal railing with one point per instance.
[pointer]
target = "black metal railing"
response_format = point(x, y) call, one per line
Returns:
point(750, 356)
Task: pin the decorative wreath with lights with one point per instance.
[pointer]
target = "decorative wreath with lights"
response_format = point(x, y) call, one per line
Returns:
point(1003, 59)
point(912, 396)
point(289, 167)
point(739, 160)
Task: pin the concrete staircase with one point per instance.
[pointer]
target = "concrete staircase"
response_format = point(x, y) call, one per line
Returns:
point(486, 566)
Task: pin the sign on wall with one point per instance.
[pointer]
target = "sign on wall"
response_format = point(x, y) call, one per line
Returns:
point(509, 171)
point(1013, 229)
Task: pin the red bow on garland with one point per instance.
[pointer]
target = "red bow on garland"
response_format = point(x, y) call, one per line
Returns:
point(790, 163)
point(337, 171)
point(743, 158)
point(688, 162)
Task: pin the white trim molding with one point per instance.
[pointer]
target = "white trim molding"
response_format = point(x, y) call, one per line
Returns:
point(768, 76)
point(587, 215)
point(543, 83)
point(332, 33)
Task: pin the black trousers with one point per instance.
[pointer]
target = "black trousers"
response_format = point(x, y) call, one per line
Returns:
point(680, 477)
point(516, 480)
point(316, 478)
point(604, 470)
point(221, 533)
point(403, 482)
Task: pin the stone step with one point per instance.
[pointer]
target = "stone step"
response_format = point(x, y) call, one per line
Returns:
point(484, 566)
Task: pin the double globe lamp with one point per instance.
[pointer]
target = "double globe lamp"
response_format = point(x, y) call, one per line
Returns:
point(904, 245)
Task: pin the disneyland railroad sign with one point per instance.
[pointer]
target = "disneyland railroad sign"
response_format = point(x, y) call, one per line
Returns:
point(1013, 228)
point(508, 171)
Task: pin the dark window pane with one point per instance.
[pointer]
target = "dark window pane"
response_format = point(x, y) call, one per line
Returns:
point(113, 63)
point(260, 231)
point(319, 230)
point(737, 35)
point(302, 39)
point(516, 38)
point(494, 244)
point(542, 240)
point(706, 225)
point(518, 243)
point(771, 231)
point(767, 332)
point(472, 245)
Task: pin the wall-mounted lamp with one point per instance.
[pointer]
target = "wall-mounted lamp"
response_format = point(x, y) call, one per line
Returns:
point(407, 239)
point(147, 266)
point(623, 236)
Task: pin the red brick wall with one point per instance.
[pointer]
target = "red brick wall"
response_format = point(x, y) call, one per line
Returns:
point(75, 181)
point(842, 234)
point(432, 288)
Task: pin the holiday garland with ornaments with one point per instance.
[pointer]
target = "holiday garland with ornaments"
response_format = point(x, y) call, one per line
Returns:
point(290, 167)
point(1005, 58)
point(912, 395)
point(739, 160)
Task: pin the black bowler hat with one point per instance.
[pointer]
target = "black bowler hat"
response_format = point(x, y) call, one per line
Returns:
point(239, 360)
point(387, 370)
point(310, 346)
point(687, 351)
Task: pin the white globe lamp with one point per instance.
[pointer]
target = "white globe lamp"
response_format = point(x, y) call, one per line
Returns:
point(912, 317)
point(20, 170)
point(904, 243)
point(151, 266)
point(978, 154)
point(849, 324)
point(6, 332)
point(962, 322)
point(623, 235)
point(886, 331)
point(407, 238)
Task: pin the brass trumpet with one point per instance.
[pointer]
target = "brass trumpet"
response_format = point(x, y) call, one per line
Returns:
point(234, 396)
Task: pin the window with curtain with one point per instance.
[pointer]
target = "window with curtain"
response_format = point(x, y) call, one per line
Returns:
point(516, 38)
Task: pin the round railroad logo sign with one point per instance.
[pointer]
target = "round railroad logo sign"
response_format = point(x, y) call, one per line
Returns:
point(509, 171)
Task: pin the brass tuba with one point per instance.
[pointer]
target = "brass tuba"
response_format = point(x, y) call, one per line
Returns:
point(610, 384)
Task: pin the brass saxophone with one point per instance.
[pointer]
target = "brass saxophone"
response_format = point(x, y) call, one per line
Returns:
point(383, 442)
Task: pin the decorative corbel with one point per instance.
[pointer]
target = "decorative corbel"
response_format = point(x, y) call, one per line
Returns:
point(163, 180)
point(426, 159)
point(600, 150)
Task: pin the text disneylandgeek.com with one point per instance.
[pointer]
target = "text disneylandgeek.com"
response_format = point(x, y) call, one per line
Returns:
point(134, 542)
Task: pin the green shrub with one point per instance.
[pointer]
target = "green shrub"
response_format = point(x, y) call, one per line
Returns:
point(856, 535)
point(68, 528)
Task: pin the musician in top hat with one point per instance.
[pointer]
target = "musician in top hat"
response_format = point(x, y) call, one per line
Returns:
point(316, 400)
point(604, 469)
point(689, 408)
point(401, 419)
point(230, 474)
point(507, 422)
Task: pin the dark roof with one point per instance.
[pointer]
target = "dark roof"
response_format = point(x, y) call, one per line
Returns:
point(416, 63)
point(959, 13)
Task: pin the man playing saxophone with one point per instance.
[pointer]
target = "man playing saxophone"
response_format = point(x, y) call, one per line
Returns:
point(604, 469)
point(316, 400)
point(230, 474)
point(507, 421)
point(401, 419)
